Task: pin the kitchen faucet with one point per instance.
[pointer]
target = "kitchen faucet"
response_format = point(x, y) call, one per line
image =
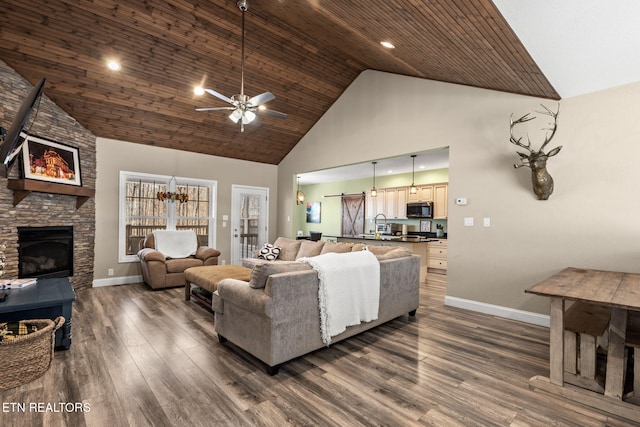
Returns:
point(375, 221)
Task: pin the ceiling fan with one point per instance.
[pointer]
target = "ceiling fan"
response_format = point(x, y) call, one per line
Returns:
point(244, 108)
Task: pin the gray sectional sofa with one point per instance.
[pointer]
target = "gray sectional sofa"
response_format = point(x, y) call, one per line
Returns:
point(275, 316)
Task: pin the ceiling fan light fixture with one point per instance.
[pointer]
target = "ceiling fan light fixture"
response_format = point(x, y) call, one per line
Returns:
point(244, 107)
point(198, 90)
point(235, 116)
point(248, 116)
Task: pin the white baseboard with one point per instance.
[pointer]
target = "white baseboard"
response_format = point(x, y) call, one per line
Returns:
point(496, 310)
point(114, 281)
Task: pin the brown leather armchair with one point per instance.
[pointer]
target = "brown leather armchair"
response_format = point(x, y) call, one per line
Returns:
point(160, 272)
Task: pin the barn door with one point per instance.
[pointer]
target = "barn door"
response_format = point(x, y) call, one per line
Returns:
point(352, 215)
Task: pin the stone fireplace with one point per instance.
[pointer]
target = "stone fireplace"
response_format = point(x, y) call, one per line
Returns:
point(43, 209)
point(45, 252)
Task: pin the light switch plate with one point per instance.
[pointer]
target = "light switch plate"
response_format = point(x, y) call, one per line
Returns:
point(468, 222)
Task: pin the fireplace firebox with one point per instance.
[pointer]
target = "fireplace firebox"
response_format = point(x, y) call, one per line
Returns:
point(45, 252)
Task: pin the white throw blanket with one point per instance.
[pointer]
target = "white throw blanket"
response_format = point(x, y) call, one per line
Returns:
point(349, 290)
point(176, 244)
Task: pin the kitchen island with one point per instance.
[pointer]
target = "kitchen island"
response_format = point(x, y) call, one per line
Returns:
point(417, 245)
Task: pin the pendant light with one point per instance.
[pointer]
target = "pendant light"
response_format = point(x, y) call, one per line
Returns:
point(413, 189)
point(374, 192)
point(299, 194)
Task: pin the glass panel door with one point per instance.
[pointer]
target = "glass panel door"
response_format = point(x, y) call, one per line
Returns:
point(249, 221)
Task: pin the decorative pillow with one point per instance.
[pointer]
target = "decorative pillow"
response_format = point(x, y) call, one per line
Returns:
point(338, 248)
point(269, 252)
point(261, 272)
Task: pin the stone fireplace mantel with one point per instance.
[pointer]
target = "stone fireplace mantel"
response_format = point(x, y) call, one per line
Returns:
point(23, 187)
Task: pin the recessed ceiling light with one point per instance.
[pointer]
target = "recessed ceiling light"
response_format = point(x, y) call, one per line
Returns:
point(387, 44)
point(114, 65)
point(198, 90)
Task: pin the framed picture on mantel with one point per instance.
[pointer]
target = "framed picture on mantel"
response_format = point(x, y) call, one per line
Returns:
point(47, 160)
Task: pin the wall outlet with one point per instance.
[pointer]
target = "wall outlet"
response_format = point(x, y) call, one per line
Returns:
point(486, 222)
point(110, 272)
point(223, 262)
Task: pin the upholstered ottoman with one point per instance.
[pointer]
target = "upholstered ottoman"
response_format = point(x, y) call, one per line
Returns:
point(207, 277)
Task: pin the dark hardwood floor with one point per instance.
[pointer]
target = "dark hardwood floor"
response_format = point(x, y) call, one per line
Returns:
point(142, 358)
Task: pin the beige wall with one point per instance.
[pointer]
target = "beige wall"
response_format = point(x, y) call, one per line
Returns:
point(114, 156)
point(590, 220)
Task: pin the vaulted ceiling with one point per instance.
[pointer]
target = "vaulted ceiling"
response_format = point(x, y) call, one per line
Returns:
point(306, 52)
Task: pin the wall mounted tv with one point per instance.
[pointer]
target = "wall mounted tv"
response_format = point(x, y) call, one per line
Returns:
point(11, 138)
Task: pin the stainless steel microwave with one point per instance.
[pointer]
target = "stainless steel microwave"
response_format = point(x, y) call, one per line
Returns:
point(420, 210)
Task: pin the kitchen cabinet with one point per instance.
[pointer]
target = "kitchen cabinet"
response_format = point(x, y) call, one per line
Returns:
point(401, 202)
point(396, 202)
point(391, 202)
point(375, 205)
point(440, 201)
point(424, 194)
point(437, 254)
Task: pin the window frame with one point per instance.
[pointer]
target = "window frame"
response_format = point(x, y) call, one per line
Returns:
point(171, 217)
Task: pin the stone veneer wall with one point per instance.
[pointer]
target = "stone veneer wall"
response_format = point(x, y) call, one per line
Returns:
point(41, 209)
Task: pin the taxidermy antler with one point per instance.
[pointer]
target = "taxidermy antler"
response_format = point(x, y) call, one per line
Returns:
point(536, 160)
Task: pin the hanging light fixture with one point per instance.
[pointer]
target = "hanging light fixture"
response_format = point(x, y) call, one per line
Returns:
point(413, 189)
point(299, 194)
point(374, 192)
point(167, 196)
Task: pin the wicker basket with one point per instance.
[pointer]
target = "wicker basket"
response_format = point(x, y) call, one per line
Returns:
point(28, 357)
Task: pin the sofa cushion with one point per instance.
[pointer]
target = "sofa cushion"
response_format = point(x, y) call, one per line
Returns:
point(309, 248)
point(358, 247)
point(289, 248)
point(178, 265)
point(269, 252)
point(261, 272)
point(397, 252)
point(388, 252)
point(338, 248)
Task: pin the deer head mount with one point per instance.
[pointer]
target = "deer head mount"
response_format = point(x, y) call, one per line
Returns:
point(536, 160)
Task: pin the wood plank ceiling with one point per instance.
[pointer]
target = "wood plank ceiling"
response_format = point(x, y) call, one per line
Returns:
point(304, 52)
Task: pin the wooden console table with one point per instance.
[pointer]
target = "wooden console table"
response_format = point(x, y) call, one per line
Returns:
point(47, 299)
point(23, 187)
point(620, 292)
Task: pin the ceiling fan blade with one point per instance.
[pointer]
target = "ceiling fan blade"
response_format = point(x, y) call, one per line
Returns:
point(273, 113)
point(219, 95)
point(215, 108)
point(261, 99)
